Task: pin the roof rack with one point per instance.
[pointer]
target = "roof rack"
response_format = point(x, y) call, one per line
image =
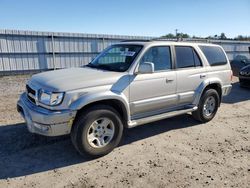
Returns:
point(168, 39)
point(181, 40)
point(149, 40)
point(136, 40)
point(164, 39)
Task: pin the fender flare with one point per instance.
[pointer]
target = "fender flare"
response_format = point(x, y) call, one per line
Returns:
point(199, 91)
point(89, 98)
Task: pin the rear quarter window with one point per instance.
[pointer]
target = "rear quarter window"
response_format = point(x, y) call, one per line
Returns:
point(214, 55)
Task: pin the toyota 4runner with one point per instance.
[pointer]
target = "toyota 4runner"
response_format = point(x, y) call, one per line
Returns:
point(128, 84)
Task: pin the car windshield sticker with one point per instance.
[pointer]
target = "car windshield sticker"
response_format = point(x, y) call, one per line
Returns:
point(128, 53)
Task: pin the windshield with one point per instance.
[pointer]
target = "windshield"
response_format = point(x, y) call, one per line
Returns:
point(116, 58)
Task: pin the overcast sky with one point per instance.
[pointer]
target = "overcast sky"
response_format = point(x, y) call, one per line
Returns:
point(128, 17)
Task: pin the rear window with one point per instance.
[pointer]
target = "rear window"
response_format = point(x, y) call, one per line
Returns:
point(214, 55)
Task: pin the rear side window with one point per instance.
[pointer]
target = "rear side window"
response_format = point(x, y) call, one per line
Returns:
point(214, 55)
point(186, 57)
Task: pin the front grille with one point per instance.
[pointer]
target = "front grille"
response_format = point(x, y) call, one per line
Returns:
point(31, 94)
point(31, 99)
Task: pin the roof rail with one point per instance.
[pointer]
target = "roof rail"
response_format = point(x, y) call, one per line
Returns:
point(164, 39)
point(136, 40)
point(168, 39)
point(182, 40)
point(149, 40)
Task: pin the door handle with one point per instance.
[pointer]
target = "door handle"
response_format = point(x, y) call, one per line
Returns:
point(169, 80)
point(202, 76)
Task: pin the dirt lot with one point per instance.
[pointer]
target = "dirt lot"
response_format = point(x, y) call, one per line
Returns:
point(177, 152)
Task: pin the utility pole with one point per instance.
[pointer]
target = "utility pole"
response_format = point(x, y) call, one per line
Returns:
point(176, 31)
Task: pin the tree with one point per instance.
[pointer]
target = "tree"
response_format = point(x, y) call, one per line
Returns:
point(179, 35)
point(185, 35)
point(182, 35)
point(240, 37)
point(169, 36)
point(223, 36)
point(209, 37)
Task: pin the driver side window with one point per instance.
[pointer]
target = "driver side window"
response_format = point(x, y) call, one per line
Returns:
point(160, 56)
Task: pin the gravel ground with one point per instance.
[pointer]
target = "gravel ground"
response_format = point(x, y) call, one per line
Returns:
point(176, 152)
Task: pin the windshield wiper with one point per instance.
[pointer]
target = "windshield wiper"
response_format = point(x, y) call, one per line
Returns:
point(105, 67)
point(100, 66)
point(91, 65)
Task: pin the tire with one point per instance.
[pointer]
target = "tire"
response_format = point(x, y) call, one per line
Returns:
point(242, 84)
point(203, 115)
point(88, 135)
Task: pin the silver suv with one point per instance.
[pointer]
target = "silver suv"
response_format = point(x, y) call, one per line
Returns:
point(128, 84)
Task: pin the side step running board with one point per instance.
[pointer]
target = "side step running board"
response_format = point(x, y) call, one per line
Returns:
point(158, 117)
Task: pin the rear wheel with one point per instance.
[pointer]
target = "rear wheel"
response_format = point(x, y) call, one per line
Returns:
point(208, 106)
point(97, 131)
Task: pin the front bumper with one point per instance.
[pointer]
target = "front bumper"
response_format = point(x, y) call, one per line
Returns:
point(45, 122)
point(244, 81)
point(245, 78)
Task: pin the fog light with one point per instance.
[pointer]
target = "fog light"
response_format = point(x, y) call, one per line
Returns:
point(44, 128)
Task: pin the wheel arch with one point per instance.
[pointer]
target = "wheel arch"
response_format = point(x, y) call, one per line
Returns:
point(217, 87)
point(118, 102)
point(208, 84)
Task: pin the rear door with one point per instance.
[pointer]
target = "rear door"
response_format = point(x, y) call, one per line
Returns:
point(190, 73)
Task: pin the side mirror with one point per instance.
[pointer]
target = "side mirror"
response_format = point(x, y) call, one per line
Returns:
point(146, 68)
point(243, 61)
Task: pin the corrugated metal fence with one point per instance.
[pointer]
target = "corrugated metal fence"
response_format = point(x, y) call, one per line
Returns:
point(29, 50)
point(235, 50)
point(22, 51)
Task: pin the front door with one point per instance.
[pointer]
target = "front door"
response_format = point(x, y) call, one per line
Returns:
point(155, 92)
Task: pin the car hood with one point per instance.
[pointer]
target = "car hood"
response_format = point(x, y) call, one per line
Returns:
point(74, 78)
point(246, 68)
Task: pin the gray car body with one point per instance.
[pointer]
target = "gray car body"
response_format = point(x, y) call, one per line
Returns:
point(143, 98)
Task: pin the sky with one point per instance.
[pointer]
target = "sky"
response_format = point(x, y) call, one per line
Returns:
point(129, 17)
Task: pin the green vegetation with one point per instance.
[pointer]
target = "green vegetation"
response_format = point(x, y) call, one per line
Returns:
point(178, 35)
point(222, 36)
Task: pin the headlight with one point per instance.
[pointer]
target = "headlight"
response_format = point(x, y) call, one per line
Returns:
point(50, 98)
point(243, 73)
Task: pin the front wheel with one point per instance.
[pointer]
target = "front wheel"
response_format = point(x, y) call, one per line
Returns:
point(97, 131)
point(208, 106)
